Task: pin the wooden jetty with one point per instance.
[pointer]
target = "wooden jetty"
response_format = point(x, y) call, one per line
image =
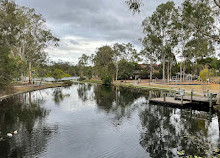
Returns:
point(171, 98)
point(170, 101)
point(197, 99)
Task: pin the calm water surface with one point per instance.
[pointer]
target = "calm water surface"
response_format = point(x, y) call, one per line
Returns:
point(92, 121)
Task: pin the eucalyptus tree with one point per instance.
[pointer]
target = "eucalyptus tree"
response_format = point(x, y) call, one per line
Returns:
point(29, 32)
point(103, 64)
point(36, 37)
point(131, 53)
point(8, 31)
point(163, 25)
point(124, 52)
point(196, 28)
point(82, 63)
point(171, 60)
point(119, 53)
point(151, 45)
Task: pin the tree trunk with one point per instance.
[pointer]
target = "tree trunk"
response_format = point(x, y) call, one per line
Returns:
point(40, 82)
point(29, 72)
point(168, 72)
point(218, 98)
point(217, 3)
point(164, 78)
point(151, 70)
point(116, 75)
point(184, 69)
point(171, 70)
point(22, 77)
point(180, 73)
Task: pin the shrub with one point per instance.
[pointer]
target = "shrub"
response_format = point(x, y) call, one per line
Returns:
point(57, 74)
point(68, 82)
point(81, 78)
point(205, 74)
point(107, 80)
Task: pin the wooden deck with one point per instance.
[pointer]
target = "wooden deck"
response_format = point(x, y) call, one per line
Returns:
point(170, 101)
point(196, 99)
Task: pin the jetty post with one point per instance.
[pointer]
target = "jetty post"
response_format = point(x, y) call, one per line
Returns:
point(207, 93)
point(191, 99)
point(181, 99)
point(170, 92)
point(175, 94)
point(161, 93)
point(182, 94)
point(164, 96)
point(150, 95)
point(210, 100)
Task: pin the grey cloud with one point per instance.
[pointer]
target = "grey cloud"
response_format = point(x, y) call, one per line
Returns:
point(95, 20)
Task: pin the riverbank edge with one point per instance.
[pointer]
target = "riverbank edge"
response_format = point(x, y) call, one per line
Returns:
point(6, 96)
point(137, 87)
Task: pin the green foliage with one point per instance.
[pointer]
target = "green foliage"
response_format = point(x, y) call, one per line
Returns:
point(197, 25)
point(68, 82)
point(103, 61)
point(160, 30)
point(106, 79)
point(89, 72)
point(41, 71)
point(125, 69)
point(7, 68)
point(212, 63)
point(205, 74)
point(66, 67)
point(23, 38)
point(57, 74)
point(81, 78)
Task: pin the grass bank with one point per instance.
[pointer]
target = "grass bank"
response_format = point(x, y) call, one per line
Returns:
point(90, 81)
point(23, 88)
point(199, 90)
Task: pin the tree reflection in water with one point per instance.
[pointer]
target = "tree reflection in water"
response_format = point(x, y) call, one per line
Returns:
point(168, 131)
point(84, 91)
point(59, 96)
point(25, 114)
point(119, 102)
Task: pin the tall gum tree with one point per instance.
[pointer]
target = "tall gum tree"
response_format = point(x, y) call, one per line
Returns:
point(124, 52)
point(162, 21)
point(151, 45)
point(196, 25)
point(30, 35)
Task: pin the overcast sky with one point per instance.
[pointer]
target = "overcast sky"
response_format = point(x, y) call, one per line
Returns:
point(84, 25)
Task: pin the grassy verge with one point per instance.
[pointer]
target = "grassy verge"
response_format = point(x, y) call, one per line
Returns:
point(19, 88)
point(90, 81)
point(145, 86)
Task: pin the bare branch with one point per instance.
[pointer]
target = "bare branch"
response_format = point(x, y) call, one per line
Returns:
point(217, 3)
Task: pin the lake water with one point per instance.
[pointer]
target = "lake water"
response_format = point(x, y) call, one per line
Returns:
point(93, 121)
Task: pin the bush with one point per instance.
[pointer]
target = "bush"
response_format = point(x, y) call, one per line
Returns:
point(57, 74)
point(68, 82)
point(81, 78)
point(107, 80)
point(205, 74)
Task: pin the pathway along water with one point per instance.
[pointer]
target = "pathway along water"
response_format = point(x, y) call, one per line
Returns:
point(86, 120)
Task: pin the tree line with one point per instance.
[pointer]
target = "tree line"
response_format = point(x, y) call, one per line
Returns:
point(23, 38)
point(188, 32)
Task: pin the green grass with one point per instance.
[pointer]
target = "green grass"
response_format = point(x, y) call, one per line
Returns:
point(91, 81)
